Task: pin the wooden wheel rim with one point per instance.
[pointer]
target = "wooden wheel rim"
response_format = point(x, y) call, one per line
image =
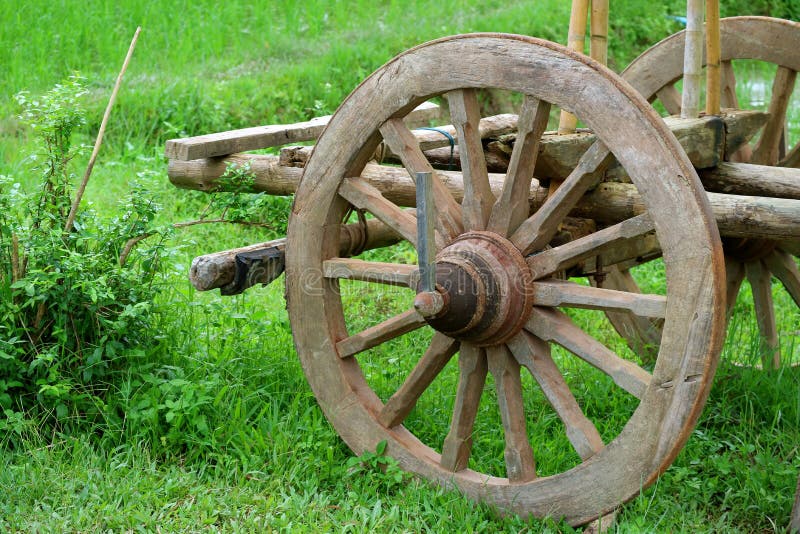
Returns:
point(765, 39)
point(694, 324)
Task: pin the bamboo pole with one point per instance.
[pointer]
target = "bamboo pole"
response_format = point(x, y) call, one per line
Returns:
point(99, 141)
point(713, 52)
point(576, 41)
point(598, 42)
point(692, 60)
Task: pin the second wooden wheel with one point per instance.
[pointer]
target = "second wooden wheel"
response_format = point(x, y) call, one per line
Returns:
point(654, 74)
point(505, 309)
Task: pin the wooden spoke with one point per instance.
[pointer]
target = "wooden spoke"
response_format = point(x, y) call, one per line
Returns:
point(539, 228)
point(671, 98)
point(571, 295)
point(553, 325)
point(767, 149)
point(734, 275)
point(403, 143)
point(642, 334)
point(513, 207)
point(361, 194)
point(791, 246)
point(785, 269)
point(478, 198)
point(520, 464)
point(375, 335)
point(625, 238)
point(393, 274)
point(472, 376)
point(728, 98)
point(534, 354)
point(761, 284)
point(429, 366)
point(792, 159)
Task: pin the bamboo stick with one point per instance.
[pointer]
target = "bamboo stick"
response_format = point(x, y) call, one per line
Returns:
point(99, 141)
point(576, 41)
point(713, 52)
point(692, 60)
point(598, 43)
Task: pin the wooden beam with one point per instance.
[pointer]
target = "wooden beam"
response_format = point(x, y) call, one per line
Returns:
point(233, 271)
point(221, 144)
point(737, 216)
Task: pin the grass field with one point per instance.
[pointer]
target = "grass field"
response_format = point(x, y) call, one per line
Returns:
point(213, 427)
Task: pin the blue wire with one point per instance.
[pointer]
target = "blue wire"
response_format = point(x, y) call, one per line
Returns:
point(450, 164)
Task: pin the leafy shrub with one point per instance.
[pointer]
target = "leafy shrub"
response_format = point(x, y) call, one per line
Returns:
point(75, 300)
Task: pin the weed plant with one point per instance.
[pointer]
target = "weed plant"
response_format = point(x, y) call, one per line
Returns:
point(76, 298)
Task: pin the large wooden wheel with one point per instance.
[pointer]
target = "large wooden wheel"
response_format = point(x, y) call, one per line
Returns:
point(496, 276)
point(655, 74)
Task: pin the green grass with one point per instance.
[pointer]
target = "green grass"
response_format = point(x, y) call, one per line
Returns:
point(215, 428)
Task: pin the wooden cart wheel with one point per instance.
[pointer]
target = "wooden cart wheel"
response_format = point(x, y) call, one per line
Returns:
point(498, 315)
point(654, 74)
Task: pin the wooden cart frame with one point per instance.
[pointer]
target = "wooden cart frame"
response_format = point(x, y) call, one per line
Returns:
point(518, 217)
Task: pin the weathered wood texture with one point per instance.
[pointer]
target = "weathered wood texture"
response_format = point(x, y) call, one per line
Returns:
point(705, 140)
point(762, 38)
point(692, 59)
point(713, 74)
point(219, 269)
point(736, 215)
point(231, 142)
point(671, 397)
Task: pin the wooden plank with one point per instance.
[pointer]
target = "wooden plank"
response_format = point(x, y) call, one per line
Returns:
point(571, 295)
point(223, 143)
point(520, 464)
point(552, 325)
point(457, 446)
point(399, 405)
point(537, 230)
point(512, 206)
point(534, 354)
point(701, 138)
point(395, 274)
point(478, 198)
point(373, 336)
point(361, 194)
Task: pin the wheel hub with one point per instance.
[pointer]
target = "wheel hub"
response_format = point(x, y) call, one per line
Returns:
point(486, 287)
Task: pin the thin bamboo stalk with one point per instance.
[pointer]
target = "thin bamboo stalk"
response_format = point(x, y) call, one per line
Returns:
point(598, 42)
point(713, 71)
point(99, 141)
point(692, 60)
point(576, 40)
